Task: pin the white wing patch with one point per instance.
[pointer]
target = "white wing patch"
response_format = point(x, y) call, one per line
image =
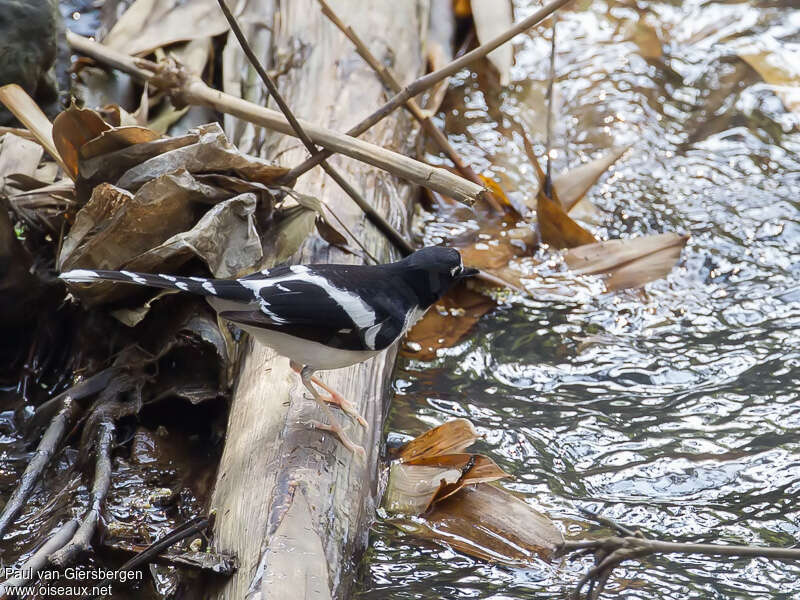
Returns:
point(134, 277)
point(209, 287)
point(79, 276)
point(358, 310)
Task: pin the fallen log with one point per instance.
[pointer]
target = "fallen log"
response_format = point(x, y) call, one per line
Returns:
point(291, 502)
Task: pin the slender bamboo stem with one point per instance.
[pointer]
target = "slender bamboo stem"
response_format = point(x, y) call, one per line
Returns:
point(423, 83)
point(382, 224)
point(191, 90)
point(389, 79)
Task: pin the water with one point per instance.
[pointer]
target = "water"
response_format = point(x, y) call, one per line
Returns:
point(674, 411)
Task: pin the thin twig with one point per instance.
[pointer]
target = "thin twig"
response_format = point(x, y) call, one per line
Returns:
point(389, 79)
point(181, 532)
point(423, 83)
point(81, 540)
point(382, 224)
point(610, 523)
point(44, 452)
point(39, 560)
point(187, 89)
point(548, 180)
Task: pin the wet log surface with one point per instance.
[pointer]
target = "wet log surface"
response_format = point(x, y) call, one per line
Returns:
point(291, 502)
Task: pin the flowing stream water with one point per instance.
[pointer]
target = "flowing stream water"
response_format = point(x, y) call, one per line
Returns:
point(674, 411)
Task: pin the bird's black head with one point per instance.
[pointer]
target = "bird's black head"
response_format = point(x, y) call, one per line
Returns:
point(432, 271)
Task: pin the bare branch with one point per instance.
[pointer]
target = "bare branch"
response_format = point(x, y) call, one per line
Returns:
point(44, 452)
point(39, 560)
point(191, 90)
point(81, 540)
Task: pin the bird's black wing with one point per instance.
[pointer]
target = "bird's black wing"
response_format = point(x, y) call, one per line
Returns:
point(331, 307)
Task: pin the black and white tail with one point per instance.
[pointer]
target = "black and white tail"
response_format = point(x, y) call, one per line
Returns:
point(229, 289)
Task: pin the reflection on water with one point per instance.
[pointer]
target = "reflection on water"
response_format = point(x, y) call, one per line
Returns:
point(675, 411)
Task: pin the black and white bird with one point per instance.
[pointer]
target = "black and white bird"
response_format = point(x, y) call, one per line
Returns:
point(320, 316)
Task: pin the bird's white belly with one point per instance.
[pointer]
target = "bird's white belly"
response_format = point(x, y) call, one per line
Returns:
point(306, 352)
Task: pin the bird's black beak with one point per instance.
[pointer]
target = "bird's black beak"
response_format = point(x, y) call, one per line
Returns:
point(467, 272)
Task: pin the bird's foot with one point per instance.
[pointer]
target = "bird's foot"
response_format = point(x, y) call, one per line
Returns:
point(337, 430)
point(334, 397)
point(343, 403)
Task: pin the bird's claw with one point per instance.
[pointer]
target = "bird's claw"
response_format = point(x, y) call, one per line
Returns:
point(336, 430)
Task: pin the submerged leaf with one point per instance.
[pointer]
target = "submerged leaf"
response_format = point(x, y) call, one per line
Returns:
point(780, 68)
point(493, 17)
point(629, 262)
point(572, 185)
point(447, 322)
point(411, 489)
point(489, 523)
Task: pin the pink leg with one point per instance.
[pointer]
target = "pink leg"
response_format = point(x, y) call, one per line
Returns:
point(334, 398)
point(333, 427)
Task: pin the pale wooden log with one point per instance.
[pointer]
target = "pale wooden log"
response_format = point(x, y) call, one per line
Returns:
point(291, 502)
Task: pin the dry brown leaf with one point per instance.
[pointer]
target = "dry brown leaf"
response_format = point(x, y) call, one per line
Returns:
point(72, 128)
point(18, 156)
point(493, 17)
point(112, 140)
point(411, 489)
point(555, 226)
point(452, 437)
point(416, 485)
point(474, 468)
point(23, 107)
point(447, 322)
point(647, 39)
point(572, 185)
point(780, 68)
point(151, 24)
point(211, 152)
point(491, 524)
point(629, 262)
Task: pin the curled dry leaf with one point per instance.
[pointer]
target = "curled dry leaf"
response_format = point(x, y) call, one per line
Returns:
point(18, 156)
point(416, 485)
point(461, 509)
point(629, 262)
point(452, 437)
point(25, 109)
point(572, 185)
point(491, 524)
point(446, 323)
point(211, 152)
point(72, 128)
point(493, 17)
point(151, 24)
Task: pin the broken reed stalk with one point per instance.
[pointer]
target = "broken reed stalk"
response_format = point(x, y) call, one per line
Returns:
point(39, 560)
point(386, 228)
point(610, 552)
point(187, 89)
point(423, 83)
point(81, 540)
point(44, 452)
point(389, 79)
